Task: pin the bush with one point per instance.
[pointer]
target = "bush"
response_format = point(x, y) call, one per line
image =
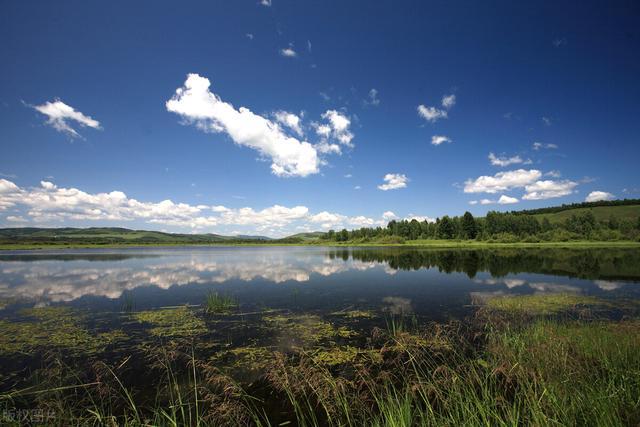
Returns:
point(505, 238)
point(390, 240)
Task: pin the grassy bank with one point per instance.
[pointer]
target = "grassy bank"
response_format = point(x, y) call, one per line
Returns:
point(541, 360)
point(408, 243)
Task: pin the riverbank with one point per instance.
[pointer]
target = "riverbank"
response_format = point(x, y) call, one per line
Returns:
point(436, 244)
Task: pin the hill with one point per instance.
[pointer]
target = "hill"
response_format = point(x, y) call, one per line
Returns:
point(601, 213)
point(112, 235)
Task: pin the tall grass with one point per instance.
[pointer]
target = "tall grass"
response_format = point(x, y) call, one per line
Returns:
point(216, 303)
point(534, 372)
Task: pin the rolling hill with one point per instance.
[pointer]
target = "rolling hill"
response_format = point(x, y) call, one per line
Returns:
point(111, 235)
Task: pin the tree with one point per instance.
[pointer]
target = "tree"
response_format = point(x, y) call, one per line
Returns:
point(469, 226)
point(446, 229)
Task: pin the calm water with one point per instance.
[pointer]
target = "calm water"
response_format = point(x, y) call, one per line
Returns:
point(432, 283)
point(288, 296)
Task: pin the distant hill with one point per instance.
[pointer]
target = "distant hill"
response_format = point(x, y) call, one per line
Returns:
point(601, 213)
point(307, 236)
point(112, 235)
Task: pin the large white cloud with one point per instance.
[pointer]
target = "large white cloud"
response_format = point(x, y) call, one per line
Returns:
point(198, 105)
point(597, 196)
point(394, 181)
point(549, 189)
point(49, 204)
point(502, 181)
point(60, 115)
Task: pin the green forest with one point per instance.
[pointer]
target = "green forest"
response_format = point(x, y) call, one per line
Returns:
point(602, 221)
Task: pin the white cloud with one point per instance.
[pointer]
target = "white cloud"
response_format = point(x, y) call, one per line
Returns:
point(393, 181)
point(50, 204)
point(357, 187)
point(249, 36)
point(546, 120)
point(420, 218)
point(539, 145)
point(597, 196)
point(448, 101)
point(372, 99)
point(486, 202)
point(431, 114)
point(553, 174)
point(60, 114)
point(198, 105)
point(336, 128)
point(504, 161)
point(266, 3)
point(288, 52)
point(290, 120)
point(506, 200)
point(439, 139)
point(388, 216)
point(473, 202)
point(502, 181)
point(549, 189)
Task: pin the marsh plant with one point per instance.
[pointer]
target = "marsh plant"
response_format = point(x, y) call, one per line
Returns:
point(499, 367)
point(219, 303)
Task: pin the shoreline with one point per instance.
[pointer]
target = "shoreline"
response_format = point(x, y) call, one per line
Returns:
point(420, 244)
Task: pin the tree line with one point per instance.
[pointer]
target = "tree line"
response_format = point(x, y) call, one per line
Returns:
point(504, 227)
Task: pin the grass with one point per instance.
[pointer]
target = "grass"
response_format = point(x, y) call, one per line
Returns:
point(496, 369)
point(459, 244)
point(601, 213)
point(218, 304)
point(540, 304)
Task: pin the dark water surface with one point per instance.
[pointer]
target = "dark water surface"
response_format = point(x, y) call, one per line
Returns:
point(100, 304)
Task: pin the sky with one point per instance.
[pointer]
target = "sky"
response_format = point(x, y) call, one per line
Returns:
point(277, 117)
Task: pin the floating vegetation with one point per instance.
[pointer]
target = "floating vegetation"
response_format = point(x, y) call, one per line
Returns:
point(249, 358)
point(172, 322)
point(540, 304)
point(306, 329)
point(219, 304)
point(355, 314)
point(53, 327)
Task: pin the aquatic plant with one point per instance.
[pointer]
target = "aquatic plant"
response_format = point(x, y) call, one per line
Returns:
point(218, 304)
point(172, 322)
point(53, 328)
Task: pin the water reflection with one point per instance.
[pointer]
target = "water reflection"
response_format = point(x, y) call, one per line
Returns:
point(55, 277)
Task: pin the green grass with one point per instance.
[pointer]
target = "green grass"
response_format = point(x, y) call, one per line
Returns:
point(601, 213)
point(540, 304)
point(218, 304)
point(461, 244)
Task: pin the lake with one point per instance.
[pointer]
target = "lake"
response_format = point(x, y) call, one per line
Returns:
point(123, 306)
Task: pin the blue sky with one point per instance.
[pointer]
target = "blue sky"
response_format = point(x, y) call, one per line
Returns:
point(310, 105)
